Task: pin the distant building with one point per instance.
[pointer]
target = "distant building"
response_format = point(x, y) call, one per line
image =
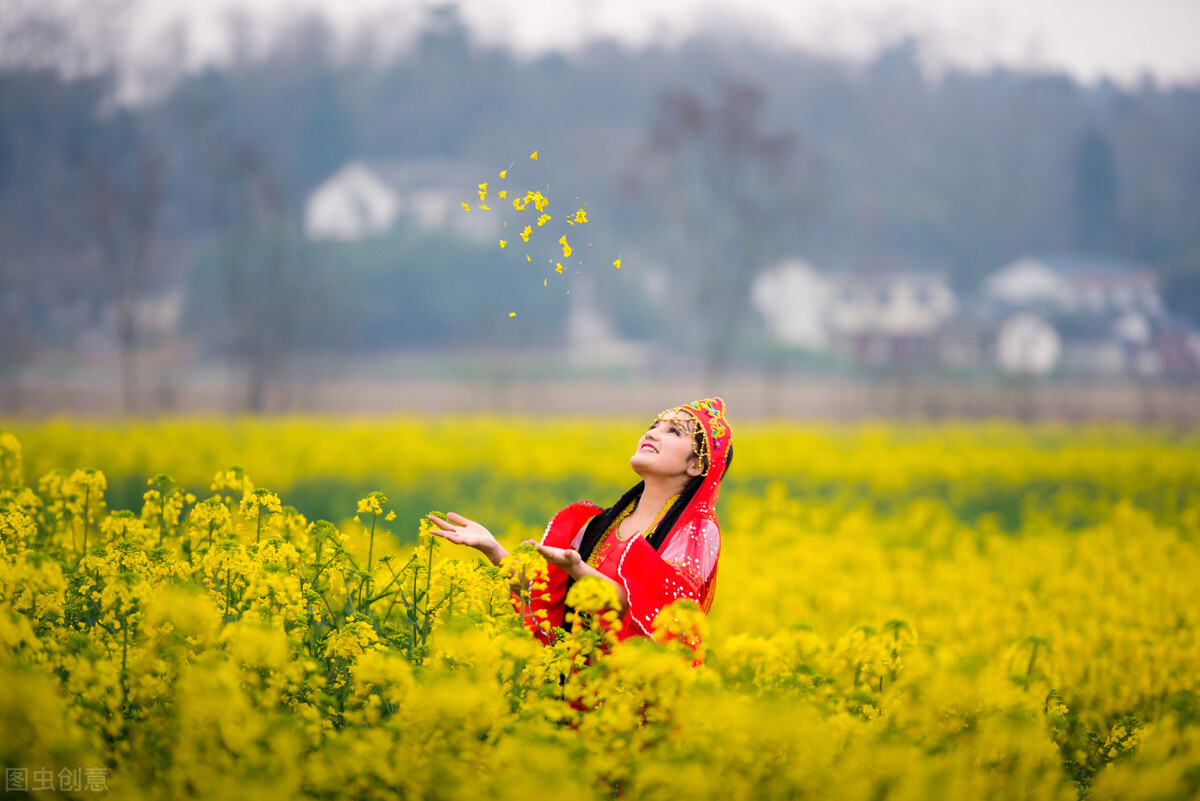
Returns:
point(1073, 315)
point(1035, 316)
point(878, 319)
point(1027, 344)
point(889, 319)
point(1077, 285)
point(792, 298)
point(363, 200)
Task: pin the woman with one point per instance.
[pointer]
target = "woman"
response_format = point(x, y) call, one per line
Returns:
point(658, 543)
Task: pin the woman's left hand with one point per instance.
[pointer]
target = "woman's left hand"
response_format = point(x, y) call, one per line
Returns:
point(566, 558)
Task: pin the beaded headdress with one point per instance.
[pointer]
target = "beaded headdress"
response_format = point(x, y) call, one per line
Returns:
point(712, 450)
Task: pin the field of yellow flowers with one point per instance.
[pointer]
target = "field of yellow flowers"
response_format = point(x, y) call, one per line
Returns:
point(903, 612)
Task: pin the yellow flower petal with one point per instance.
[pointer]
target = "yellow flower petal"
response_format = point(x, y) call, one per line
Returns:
point(485, 208)
point(562, 240)
point(503, 243)
point(525, 234)
point(465, 206)
point(545, 218)
point(559, 268)
point(503, 193)
point(533, 155)
point(504, 173)
point(512, 314)
point(617, 264)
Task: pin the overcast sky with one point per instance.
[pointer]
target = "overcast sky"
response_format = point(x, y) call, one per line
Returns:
point(1121, 39)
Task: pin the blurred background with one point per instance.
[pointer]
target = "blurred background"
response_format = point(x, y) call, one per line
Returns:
point(923, 209)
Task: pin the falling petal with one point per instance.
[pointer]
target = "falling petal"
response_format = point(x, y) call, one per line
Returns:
point(544, 281)
point(485, 208)
point(512, 314)
point(533, 155)
point(559, 268)
point(503, 243)
point(617, 264)
point(466, 207)
point(527, 257)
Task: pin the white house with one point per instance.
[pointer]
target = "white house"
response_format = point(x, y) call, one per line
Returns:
point(878, 318)
point(1027, 344)
point(363, 200)
point(1082, 316)
point(889, 318)
point(792, 298)
point(353, 203)
point(1077, 285)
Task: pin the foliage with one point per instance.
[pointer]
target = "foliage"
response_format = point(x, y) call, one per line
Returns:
point(215, 642)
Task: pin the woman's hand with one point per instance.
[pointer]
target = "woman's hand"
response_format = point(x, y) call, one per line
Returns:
point(460, 530)
point(570, 560)
point(566, 558)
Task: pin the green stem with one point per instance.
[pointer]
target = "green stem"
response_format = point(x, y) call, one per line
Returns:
point(1032, 659)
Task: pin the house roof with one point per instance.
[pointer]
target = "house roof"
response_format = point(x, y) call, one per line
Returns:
point(1079, 268)
point(405, 176)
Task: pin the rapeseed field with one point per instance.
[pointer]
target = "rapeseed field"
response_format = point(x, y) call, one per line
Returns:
point(252, 609)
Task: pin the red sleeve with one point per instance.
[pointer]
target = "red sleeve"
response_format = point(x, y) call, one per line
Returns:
point(651, 584)
point(559, 533)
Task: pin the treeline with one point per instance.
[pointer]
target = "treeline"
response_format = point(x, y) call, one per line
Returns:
point(708, 161)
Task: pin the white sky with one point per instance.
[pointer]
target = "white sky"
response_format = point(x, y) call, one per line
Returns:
point(1121, 39)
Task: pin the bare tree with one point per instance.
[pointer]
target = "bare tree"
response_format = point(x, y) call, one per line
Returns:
point(733, 195)
point(124, 212)
point(265, 312)
point(248, 218)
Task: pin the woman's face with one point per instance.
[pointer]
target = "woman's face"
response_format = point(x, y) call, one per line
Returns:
point(667, 448)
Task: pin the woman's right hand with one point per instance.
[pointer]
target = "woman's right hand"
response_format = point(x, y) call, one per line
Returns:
point(460, 530)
